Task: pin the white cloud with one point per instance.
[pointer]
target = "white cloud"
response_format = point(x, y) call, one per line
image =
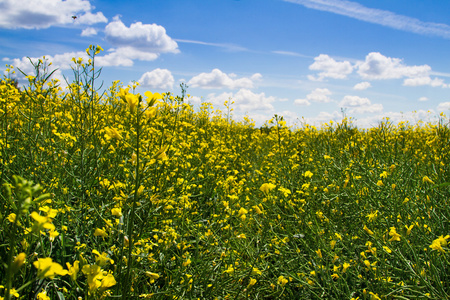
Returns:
point(354, 101)
point(150, 38)
point(443, 106)
point(216, 79)
point(89, 32)
point(362, 86)
point(330, 68)
point(157, 79)
point(317, 95)
point(302, 102)
point(227, 47)
point(290, 53)
point(423, 99)
point(425, 80)
point(359, 105)
point(372, 108)
point(377, 16)
point(378, 66)
point(38, 14)
point(244, 101)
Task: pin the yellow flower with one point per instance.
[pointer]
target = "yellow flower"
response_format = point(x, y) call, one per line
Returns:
point(439, 242)
point(267, 187)
point(257, 209)
point(73, 270)
point(242, 211)
point(100, 232)
point(282, 281)
point(345, 266)
point(107, 281)
point(12, 218)
point(116, 211)
point(408, 229)
point(112, 133)
point(150, 112)
point(41, 222)
point(132, 101)
point(43, 296)
point(308, 174)
point(52, 234)
point(187, 262)
point(152, 97)
point(93, 274)
point(98, 49)
point(251, 282)
point(153, 276)
point(387, 249)
point(427, 179)
point(230, 270)
point(394, 235)
point(256, 271)
point(13, 292)
point(102, 259)
point(19, 260)
point(372, 216)
point(48, 269)
point(370, 232)
point(319, 253)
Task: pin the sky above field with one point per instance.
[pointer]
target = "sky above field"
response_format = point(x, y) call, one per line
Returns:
point(310, 61)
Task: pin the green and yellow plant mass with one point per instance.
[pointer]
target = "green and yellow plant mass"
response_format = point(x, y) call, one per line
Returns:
point(116, 195)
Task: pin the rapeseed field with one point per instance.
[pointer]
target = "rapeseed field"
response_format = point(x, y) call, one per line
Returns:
point(113, 194)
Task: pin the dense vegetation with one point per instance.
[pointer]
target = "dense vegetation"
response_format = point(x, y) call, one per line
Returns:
point(116, 194)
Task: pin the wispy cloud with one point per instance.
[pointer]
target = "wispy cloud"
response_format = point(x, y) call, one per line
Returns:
point(229, 47)
point(377, 16)
point(290, 53)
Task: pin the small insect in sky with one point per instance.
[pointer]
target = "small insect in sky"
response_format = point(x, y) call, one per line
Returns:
point(74, 17)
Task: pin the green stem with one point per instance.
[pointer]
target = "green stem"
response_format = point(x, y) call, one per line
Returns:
point(125, 286)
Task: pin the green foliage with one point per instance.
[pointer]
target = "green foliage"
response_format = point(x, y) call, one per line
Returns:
point(128, 195)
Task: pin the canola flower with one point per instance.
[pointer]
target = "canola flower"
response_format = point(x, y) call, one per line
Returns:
point(147, 196)
point(47, 268)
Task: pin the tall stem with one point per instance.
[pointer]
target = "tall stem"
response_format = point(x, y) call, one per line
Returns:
point(126, 286)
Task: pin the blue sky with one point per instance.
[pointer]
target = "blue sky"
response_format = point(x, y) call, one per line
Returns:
point(304, 59)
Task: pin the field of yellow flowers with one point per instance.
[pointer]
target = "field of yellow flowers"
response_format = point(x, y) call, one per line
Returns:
point(119, 195)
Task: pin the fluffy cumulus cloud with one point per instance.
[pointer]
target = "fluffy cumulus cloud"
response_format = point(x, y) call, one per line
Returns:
point(38, 14)
point(89, 32)
point(157, 79)
point(138, 42)
point(359, 105)
point(354, 101)
point(362, 86)
point(443, 107)
point(244, 101)
point(330, 68)
point(378, 66)
point(423, 99)
point(149, 38)
point(302, 102)
point(317, 95)
point(217, 79)
point(425, 80)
